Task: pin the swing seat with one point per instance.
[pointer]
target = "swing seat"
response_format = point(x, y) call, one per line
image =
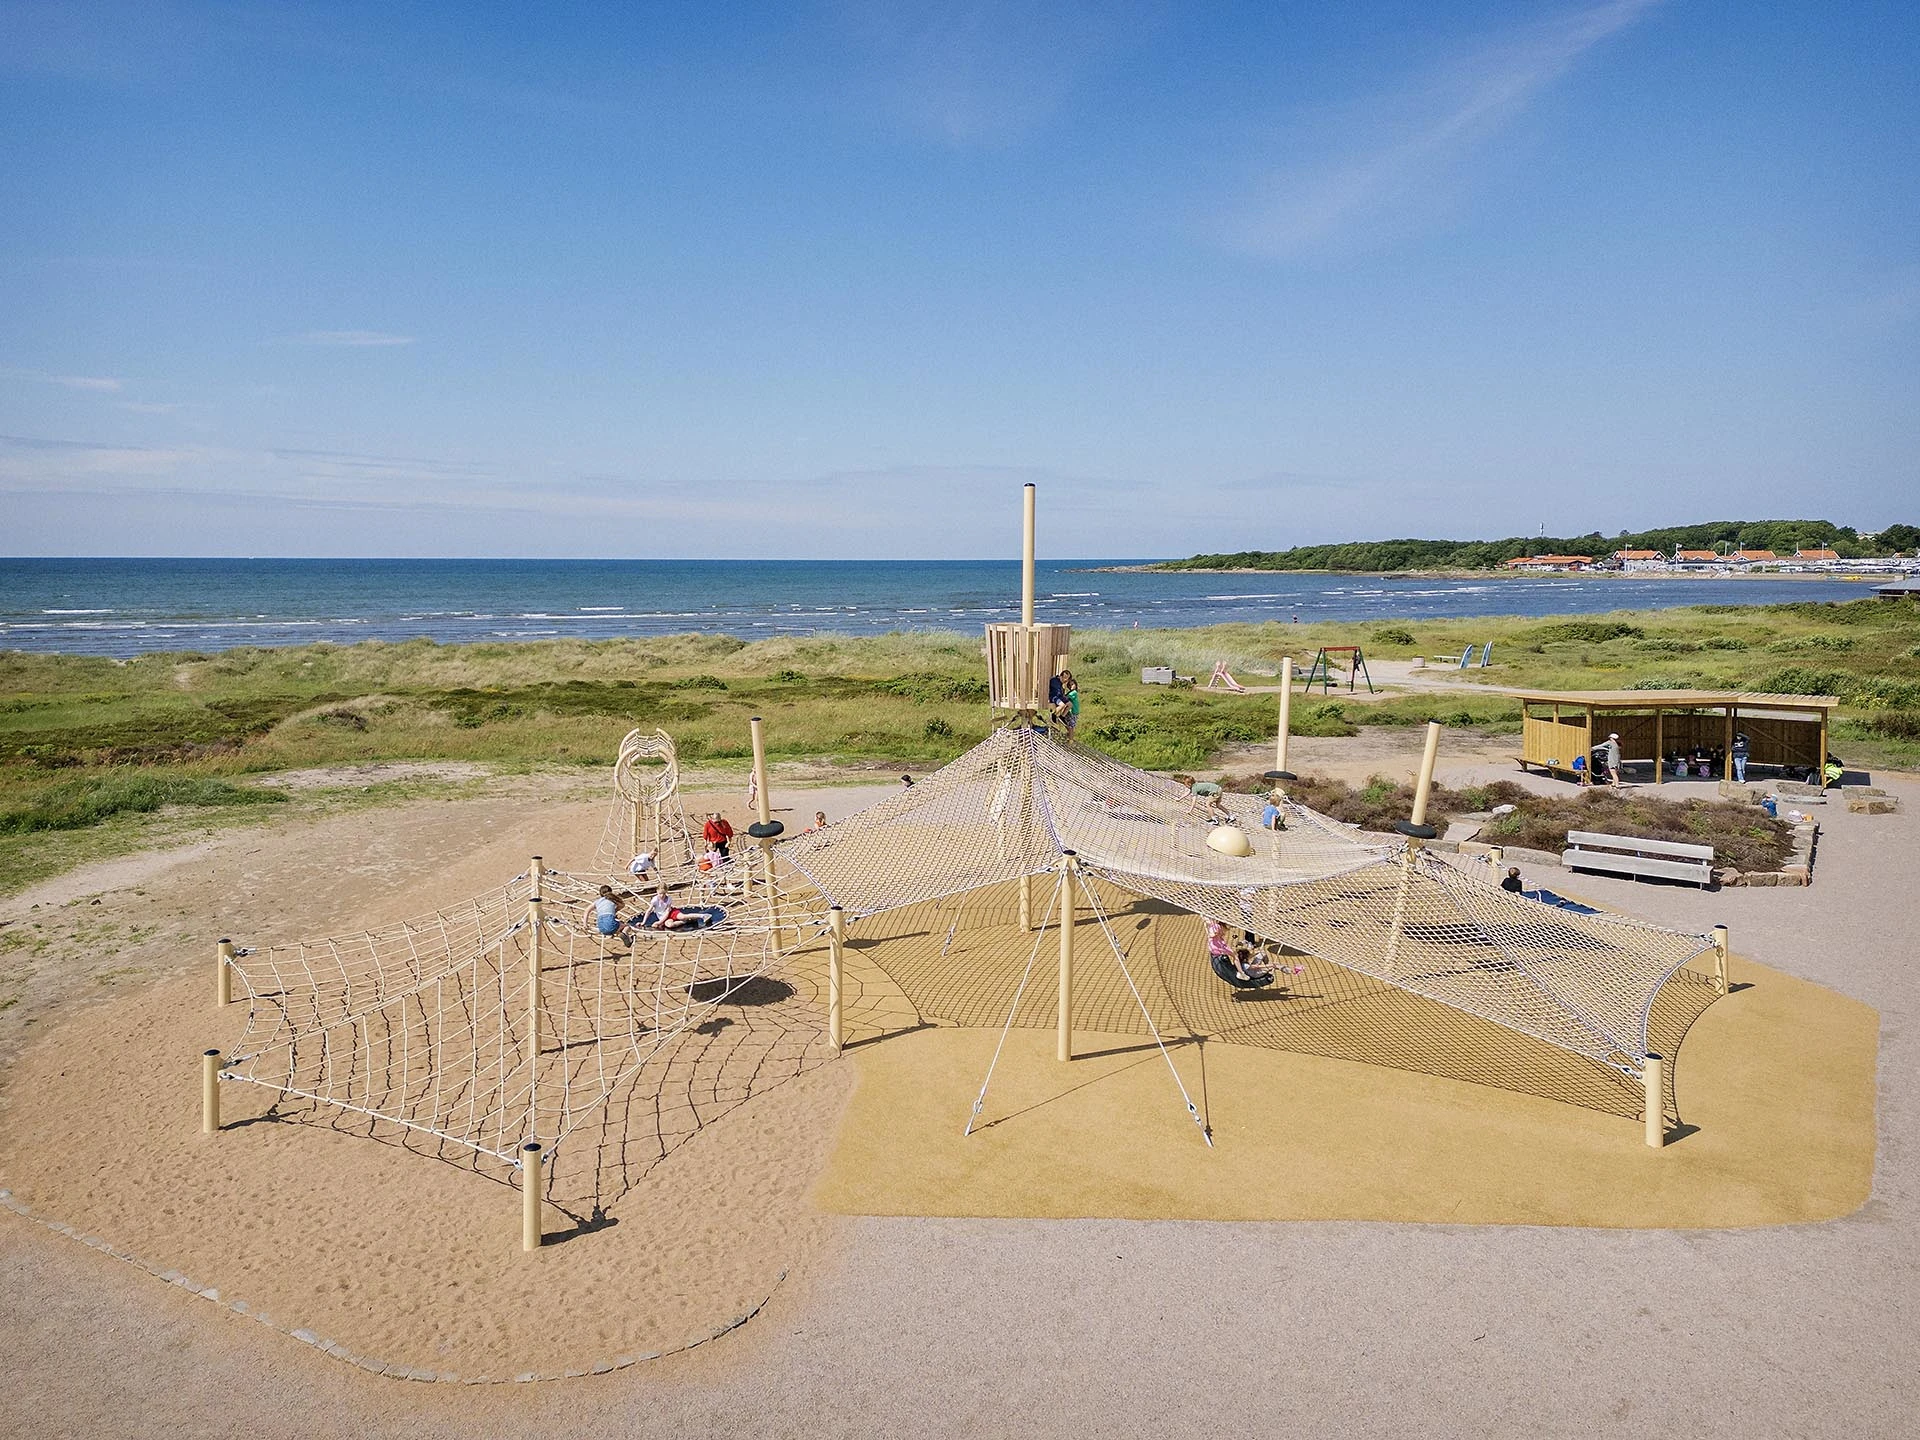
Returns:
point(1223, 967)
point(699, 917)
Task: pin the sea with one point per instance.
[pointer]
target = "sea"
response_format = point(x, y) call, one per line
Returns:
point(120, 607)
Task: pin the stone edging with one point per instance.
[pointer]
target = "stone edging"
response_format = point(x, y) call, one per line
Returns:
point(367, 1363)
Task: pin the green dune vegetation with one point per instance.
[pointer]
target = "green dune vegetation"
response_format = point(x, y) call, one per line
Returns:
point(99, 756)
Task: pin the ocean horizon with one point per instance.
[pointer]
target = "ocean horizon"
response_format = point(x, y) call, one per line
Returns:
point(122, 607)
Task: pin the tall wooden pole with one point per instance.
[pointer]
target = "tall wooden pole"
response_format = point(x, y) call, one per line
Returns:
point(210, 1092)
point(1031, 690)
point(530, 1217)
point(1424, 789)
point(1654, 1100)
point(1418, 832)
point(836, 954)
point(536, 915)
point(223, 973)
point(1069, 871)
point(1026, 557)
point(1286, 715)
point(763, 804)
point(1720, 958)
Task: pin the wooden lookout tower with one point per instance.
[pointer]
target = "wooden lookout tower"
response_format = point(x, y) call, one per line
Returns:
point(1022, 658)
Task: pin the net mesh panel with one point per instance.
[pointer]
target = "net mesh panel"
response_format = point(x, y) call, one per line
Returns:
point(1396, 915)
point(958, 961)
point(423, 1030)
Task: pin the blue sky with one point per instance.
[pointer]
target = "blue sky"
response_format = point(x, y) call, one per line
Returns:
point(834, 280)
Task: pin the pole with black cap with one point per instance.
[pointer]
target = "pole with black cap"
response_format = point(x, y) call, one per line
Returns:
point(1280, 771)
point(1418, 832)
point(766, 829)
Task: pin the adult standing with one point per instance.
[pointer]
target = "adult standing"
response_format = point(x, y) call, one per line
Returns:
point(718, 832)
point(1610, 754)
point(1739, 757)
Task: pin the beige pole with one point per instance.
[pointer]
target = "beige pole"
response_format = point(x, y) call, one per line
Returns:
point(1496, 857)
point(1069, 869)
point(1026, 558)
point(836, 954)
point(1720, 958)
point(210, 1092)
point(763, 804)
point(1425, 787)
point(223, 974)
point(1654, 1101)
point(530, 1217)
point(1417, 832)
point(1286, 713)
point(536, 927)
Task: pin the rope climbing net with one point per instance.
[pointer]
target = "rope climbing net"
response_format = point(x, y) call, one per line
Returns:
point(1013, 805)
point(502, 1020)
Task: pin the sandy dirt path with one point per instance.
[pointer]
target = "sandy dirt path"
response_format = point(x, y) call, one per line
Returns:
point(1100, 1327)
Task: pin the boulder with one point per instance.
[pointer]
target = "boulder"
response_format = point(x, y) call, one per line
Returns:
point(1740, 794)
point(1872, 804)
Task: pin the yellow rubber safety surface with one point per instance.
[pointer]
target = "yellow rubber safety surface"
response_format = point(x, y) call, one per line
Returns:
point(1770, 1104)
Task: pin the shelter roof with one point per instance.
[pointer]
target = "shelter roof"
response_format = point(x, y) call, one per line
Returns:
point(1678, 699)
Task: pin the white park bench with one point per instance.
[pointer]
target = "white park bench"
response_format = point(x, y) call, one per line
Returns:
point(1626, 855)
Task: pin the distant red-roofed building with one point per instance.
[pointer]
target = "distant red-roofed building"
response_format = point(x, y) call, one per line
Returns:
point(1640, 559)
point(1545, 563)
point(1695, 557)
point(1753, 557)
point(1816, 555)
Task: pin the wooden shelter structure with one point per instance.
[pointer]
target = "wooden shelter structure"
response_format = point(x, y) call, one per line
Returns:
point(1788, 731)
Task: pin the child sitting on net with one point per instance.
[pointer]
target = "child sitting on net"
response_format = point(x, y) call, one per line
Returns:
point(1258, 962)
point(1252, 964)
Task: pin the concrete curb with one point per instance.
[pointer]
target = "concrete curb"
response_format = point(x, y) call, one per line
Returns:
point(370, 1364)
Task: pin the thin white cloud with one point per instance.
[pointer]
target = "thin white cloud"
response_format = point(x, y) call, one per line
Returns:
point(97, 384)
point(1378, 170)
point(974, 73)
point(351, 338)
point(147, 407)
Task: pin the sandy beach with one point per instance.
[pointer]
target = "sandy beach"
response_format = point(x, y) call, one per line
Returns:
point(895, 1293)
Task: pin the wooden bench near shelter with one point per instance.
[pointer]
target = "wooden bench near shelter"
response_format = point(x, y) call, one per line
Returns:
point(1628, 855)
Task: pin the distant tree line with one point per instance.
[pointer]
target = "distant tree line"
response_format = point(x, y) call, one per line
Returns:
point(1782, 537)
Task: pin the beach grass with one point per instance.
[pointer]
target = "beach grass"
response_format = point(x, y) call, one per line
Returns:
point(90, 743)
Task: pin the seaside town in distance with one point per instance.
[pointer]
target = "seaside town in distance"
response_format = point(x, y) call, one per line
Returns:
point(1683, 561)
